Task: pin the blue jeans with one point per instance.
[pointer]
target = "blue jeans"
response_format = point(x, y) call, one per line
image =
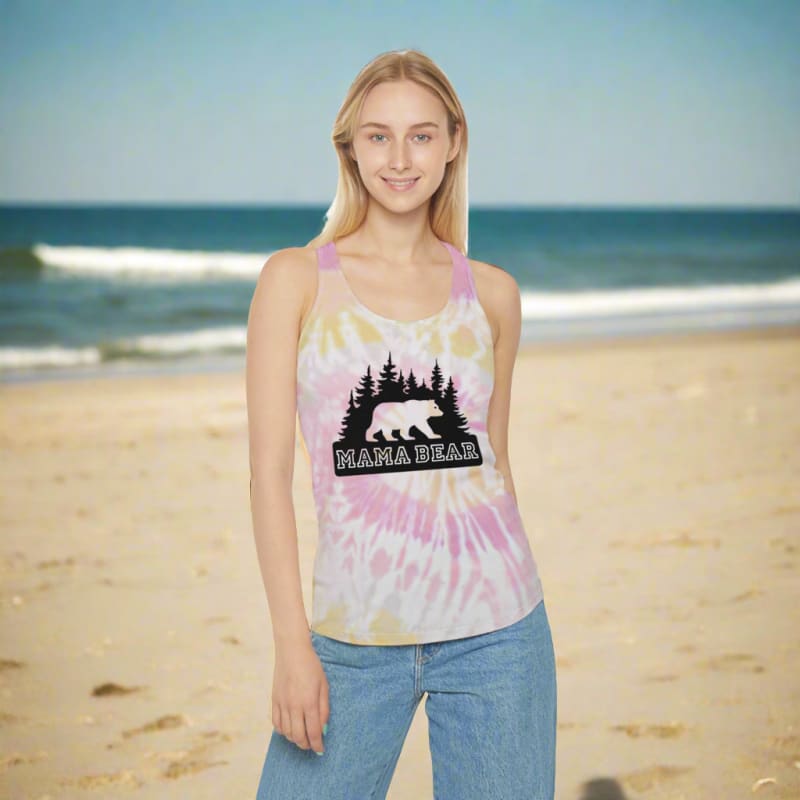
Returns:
point(491, 707)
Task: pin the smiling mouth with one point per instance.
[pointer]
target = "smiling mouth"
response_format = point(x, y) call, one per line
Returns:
point(401, 184)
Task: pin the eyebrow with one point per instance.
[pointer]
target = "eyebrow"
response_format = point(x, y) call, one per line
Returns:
point(387, 128)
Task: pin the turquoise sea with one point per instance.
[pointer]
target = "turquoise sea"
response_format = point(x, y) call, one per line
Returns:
point(117, 288)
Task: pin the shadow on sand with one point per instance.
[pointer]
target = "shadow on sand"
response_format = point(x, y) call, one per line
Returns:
point(602, 789)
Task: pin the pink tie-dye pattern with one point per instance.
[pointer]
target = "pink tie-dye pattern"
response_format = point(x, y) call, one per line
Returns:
point(423, 554)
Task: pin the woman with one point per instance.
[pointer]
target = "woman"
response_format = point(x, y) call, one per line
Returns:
point(397, 353)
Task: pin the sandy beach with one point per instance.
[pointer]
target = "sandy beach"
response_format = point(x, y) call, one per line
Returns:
point(659, 479)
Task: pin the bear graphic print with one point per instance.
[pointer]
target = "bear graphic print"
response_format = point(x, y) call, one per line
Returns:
point(397, 424)
point(403, 415)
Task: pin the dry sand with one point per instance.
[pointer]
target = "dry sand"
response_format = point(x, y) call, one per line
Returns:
point(660, 484)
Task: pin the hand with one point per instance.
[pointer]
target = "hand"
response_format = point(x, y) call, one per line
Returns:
point(300, 695)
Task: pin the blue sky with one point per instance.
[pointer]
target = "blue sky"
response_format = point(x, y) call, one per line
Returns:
point(568, 102)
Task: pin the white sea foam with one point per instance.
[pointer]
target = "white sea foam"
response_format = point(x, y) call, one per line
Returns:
point(666, 299)
point(147, 346)
point(200, 341)
point(21, 357)
point(114, 262)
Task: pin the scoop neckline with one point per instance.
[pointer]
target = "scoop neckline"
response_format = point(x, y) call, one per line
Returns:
point(366, 309)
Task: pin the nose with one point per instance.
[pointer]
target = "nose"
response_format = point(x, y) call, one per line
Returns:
point(399, 155)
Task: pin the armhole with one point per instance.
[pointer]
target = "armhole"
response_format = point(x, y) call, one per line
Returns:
point(470, 277)
point(481, 311)
point(315, 302)
point(300, 438)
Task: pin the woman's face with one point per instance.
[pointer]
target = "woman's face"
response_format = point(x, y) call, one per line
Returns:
point(402, 144)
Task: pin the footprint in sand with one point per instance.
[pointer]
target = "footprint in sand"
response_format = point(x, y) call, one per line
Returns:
point(779, 542)
point(189, 762)
point(644, 779)
point(661, 678)
point(750, 593)
point(177, 769)
point(683, 538)
point(789, 745)
point(635, 730)
point(125, 777)
point(568, 726)
point(161, 724)
point(17, 759)
point(686, 539)
point(109, 689)
point(56, 562)
point(732, 662)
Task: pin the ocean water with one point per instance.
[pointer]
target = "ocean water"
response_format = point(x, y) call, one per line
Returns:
point(87, 290)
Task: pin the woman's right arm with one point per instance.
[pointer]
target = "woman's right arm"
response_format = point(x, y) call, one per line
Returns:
point(300, 689)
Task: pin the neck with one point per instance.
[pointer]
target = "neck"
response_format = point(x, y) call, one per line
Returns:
point(397, 237)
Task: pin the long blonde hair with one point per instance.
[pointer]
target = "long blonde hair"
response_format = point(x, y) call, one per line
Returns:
point(449, 204)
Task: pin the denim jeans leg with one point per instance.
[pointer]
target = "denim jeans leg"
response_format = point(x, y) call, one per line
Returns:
point(372, 704)
point(491, 708)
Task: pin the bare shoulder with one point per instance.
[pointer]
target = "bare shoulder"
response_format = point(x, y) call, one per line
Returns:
point(498, 293)
point(292, 272)
point(291, 262)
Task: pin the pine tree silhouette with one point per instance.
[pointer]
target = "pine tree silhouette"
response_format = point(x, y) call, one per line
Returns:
point(436, 379)
point(401, 384)
point(350, 421)
point(359, 410)
point(449, 404)
point(387, 382)
point(366, 389)
point(413, 388)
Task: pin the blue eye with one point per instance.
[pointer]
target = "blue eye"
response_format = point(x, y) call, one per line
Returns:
point(372, 137)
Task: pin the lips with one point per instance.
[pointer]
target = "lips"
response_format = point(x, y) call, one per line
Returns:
point(406, 183)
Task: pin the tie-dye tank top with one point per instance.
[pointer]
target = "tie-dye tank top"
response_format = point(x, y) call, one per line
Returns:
point(419, 540)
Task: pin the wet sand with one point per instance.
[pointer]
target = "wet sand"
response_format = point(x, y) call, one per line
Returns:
point(659, 480)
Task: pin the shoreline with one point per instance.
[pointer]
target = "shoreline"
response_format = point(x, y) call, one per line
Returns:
point(221, 364)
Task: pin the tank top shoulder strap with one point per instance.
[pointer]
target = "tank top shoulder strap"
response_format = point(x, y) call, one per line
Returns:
point(326, 257)
point(463, 280)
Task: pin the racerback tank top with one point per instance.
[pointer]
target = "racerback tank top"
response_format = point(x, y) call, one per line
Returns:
point(419, 540)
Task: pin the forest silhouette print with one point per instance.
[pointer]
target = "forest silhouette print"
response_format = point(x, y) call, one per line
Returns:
point(397, 424)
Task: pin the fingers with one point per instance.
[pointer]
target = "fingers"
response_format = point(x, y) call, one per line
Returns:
point(298, 727)
point(314, 728)
point(303, 724)
point(324, 706)
point(317, 717)
point(303, 728)
point(276, 718)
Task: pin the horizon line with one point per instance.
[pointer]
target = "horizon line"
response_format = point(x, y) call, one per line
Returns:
point(309, 205)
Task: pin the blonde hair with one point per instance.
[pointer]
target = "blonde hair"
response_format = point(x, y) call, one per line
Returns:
point(449, 204)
